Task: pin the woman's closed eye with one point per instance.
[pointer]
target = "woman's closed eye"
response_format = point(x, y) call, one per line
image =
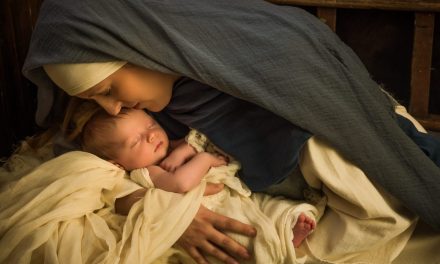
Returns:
point(108, 91)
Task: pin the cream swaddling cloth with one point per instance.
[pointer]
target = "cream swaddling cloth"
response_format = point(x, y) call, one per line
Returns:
point(63, 212)
point(273, 217)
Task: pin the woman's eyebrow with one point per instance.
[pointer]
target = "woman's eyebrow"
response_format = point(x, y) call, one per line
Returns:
point(102, 90)
point(98, 89)
point(88, 93)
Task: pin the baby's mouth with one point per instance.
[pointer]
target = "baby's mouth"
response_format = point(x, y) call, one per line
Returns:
point(158, 146)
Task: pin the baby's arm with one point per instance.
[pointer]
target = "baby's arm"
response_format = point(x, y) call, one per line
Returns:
point(181, 153)
point(187, 176)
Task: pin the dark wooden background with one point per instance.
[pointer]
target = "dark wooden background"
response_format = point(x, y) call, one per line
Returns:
point(382, 38)
point(17, 95)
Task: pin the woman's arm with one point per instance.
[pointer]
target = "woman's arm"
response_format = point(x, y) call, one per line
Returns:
point(187, 176)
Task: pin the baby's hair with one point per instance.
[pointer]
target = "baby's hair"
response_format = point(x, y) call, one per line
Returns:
point(94, 136)
point(88, 123)
point(78, 113)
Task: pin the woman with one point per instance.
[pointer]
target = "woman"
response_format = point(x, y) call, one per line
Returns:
point(278, 57)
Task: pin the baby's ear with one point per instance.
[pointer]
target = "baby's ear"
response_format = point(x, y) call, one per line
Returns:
point(117, 164)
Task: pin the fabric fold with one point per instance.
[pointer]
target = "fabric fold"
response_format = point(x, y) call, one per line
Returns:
point(61, 212)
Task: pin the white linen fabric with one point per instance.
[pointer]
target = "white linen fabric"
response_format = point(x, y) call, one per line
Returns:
point(60, 213)
point(273, 217)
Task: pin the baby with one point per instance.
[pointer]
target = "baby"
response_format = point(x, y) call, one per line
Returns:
point(134, 141)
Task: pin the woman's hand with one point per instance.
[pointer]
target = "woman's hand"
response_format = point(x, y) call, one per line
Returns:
point(204, 236)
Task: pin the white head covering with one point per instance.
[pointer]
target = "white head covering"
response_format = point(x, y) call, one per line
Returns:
point(75, 78)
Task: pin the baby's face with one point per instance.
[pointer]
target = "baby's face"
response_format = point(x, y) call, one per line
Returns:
point(141, 141)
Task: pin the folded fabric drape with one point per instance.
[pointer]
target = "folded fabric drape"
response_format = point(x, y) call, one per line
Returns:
point(63, 212)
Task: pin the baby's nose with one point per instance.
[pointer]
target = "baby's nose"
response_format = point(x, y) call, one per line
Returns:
point(151, 137)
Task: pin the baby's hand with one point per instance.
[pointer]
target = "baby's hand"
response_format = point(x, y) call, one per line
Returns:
point(172, 162)
point(218, 160)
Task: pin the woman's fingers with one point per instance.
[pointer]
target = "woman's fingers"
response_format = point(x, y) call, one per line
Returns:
point(194, 245)
point(195, 254)
point(193, 237)
point(213, 188)
point(225, 223)
point(216, 252)
point(204, 237)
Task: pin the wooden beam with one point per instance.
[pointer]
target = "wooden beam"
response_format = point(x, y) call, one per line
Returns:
point(408, 5)
point(421, 64)
point(432, 122)
point(328, 15)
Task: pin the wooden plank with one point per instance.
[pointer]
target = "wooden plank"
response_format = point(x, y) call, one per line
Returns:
point(328, 15)
point(409, 5)
point(421, 64)
point(432, 122)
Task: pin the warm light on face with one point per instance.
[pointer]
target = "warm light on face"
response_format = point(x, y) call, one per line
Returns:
point(142, 141)
point(132, 86)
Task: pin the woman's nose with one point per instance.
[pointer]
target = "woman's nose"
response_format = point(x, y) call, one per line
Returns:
point(128, 105)
point(112, 107)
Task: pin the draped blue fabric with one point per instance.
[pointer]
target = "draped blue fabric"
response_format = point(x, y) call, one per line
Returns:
point(267, 146)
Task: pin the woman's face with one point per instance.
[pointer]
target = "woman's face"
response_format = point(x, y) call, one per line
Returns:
point(141, 141)
point(132, 87)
